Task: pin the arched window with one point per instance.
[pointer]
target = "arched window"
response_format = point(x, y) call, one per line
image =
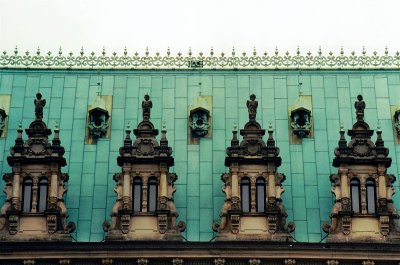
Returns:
point(355, 195)
point(245, 195)
point(260, 195)
point(371, 195)
point(152, 194)
point(137, 194)
point(42, 194)
point(27, 195)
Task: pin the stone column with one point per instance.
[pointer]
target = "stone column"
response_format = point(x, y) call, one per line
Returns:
point(163, 182)
point(344, 183)
point(381, 183)
point(16, 191)
point(126, 189)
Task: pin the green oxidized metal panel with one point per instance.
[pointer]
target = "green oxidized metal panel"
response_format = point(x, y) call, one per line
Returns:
point(199, 198)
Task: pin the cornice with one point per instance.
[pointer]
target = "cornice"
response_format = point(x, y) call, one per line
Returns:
point(254, 60)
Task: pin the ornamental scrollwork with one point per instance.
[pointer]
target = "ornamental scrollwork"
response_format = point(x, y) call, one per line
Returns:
point(254, 60)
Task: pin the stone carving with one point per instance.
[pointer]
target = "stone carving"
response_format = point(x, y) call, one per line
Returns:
point(290, 262)
point(146, 106)
point(177, 262)
point(142, 261)
point(252, 105)
point(64, 262)
point(361, 161)
point(332, 262)
point(257, 161)
point(39, 105)
point(219, 261)
point(107, 261)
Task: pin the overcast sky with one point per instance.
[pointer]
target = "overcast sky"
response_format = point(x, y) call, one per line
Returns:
point(180, 24)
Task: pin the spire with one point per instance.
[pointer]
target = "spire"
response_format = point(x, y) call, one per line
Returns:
point(252, 105)
point(164, 140)
point(19, 142)
point(127, 148)
point(359, 106)
point(56, 140)
point(235, 140)
point(270, 141)
point(342, 140)
point(146, 107)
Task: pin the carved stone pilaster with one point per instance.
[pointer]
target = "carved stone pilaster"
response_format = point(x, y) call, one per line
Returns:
point(384, 224)
point(51, 223)
point(13, 224)
point(346, 225)
point(235, 223)
point(125, 222)
point(162, 223)
point(272, 223)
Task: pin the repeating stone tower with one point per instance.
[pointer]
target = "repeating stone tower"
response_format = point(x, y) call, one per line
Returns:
point(144, 209)
point(253, 208)
point(34, 208)
point(363, 209)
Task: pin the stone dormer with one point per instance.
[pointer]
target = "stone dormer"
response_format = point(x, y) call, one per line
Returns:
point(363, 210)
point(34, 208)
point(253, 208)
point(144, 209)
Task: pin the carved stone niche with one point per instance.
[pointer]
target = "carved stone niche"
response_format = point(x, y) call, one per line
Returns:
point(253, 208)
point(98, 119)
point(300, 119)
point(144, 209)
point(4, 109)
point(364, 210)
point(395, 111)
point(200, 119)
point(34, 208)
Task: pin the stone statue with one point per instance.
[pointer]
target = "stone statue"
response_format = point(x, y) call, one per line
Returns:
point(360, 106)
point(39, 105)
point(146, 106)
point(252, 105)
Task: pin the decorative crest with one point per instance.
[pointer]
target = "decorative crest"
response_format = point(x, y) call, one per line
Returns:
point(252, 105)
point(360, 106)
point(146, 107)
point(39, 105)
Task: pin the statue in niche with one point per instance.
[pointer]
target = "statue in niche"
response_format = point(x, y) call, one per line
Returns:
point(146, 106)
point(360, 106)
point(39, 105)
point(252, 105)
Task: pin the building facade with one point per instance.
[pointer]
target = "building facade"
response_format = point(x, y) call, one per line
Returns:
point(278, 166)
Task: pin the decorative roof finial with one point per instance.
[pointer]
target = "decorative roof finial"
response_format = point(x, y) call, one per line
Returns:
point(360, 106)
point(146, 106)
point(39, 105)
point(252, 105)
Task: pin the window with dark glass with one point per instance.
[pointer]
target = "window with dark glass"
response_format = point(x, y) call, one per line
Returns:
point(355, 195)
point(152, 194)
point(42, 194)
point(371, 195)
point(245, 194)
point(260, 195)
point(27, 195)
point(137, 194)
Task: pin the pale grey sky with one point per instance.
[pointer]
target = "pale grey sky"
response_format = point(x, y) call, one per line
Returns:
point(180, 24)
